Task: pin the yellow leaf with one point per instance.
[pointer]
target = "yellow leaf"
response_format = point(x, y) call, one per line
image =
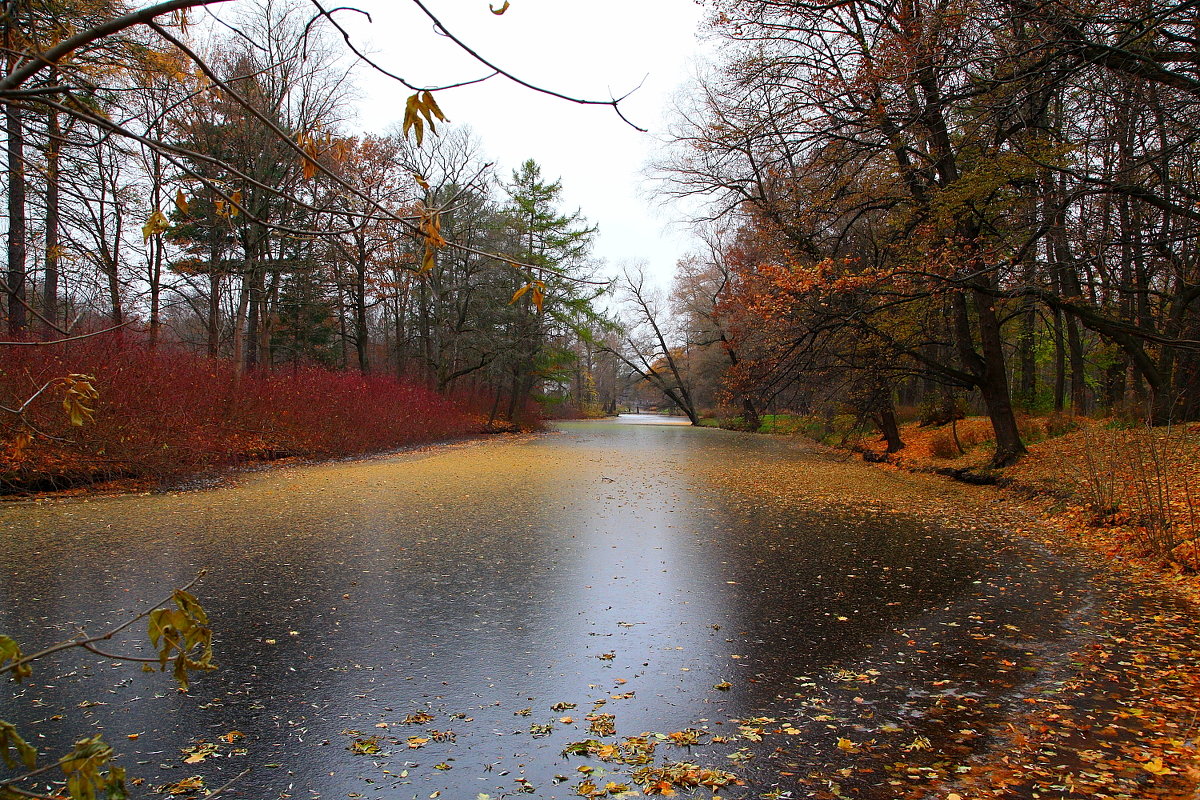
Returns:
point(157, 223)
point(520, 292)
point(607, 752)
point(309, 146)
point(500, 10)
point(20, 442)
point(78, 391)
point(412, 118)
point(847, 745)
point(1155, 767)
point(430, 106)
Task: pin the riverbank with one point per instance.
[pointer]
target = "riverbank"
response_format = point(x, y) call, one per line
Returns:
point(1113, 709)
point(1130, 493)
point(109, 412)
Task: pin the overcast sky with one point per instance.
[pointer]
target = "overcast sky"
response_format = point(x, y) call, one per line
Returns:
point(593, 50)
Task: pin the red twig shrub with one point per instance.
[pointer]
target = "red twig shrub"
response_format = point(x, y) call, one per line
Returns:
point(167, 412)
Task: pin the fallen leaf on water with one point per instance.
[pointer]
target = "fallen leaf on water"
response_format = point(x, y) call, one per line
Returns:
point(365, 747)
point(1155, 767)
point(185, 786)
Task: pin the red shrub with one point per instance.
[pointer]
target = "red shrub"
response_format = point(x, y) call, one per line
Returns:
point(168, 412)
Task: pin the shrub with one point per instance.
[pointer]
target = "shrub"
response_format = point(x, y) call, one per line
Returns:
point(941, 409)
point(1059, 424)
point(165, 412)
point(941, 445)
point(1146, 473)
point(1036, 429)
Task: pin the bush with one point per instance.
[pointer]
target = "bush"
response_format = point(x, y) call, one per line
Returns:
point(941, 409)
point(941, 445)
point(1036, 429)
point(164, 412)
point(1146, 475)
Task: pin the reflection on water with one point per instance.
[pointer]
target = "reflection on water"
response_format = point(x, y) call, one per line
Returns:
point(489, 585)
point(652, 419)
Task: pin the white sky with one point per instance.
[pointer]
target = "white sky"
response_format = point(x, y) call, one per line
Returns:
point(593, 50)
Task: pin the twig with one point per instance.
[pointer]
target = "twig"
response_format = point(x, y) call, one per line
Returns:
point(88, 640)
point(67, 339)
point(615, 103)
point(228, 783)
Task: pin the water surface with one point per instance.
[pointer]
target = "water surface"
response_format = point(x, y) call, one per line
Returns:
point(491, 584)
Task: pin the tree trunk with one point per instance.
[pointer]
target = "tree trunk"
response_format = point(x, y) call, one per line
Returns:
point(1060, 363)
point(53, 248)
point(17, 319)
point(994, 388)
point(239, 322)
point(1075, 351)
point(989, 372)
point(1114, 382)
point(361, 331)
point(885, 418)
point(1026, 357)
point(750, 415)
point(214, 315)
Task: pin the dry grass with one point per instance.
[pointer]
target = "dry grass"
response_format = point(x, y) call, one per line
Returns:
point(1143, 484)
point(1135, 490)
